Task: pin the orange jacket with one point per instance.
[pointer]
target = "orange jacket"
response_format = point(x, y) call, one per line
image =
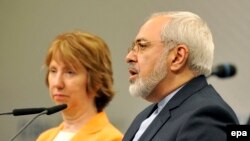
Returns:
point(97, 129)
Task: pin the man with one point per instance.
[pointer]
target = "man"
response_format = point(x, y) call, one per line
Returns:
point(168, 62)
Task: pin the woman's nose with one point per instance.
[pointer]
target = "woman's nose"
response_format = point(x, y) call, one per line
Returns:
point(59, 81)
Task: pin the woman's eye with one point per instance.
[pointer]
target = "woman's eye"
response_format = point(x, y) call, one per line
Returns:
point(70, 72)
point(52, 70)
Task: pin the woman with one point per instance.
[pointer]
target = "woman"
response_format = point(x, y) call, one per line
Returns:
point(80, 75)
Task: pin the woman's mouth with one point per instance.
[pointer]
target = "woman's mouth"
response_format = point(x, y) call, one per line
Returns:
point(60, 97)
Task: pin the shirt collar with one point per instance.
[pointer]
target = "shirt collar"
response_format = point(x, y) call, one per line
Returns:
point(164, 101)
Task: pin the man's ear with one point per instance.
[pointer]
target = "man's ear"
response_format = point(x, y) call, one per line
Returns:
point(179, 57)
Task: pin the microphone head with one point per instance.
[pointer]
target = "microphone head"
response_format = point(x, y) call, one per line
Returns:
point(224, 70)
point(56, 109)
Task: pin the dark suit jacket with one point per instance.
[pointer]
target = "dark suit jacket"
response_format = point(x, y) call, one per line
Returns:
point(195, 113)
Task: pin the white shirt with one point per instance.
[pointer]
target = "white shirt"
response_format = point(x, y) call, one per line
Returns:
point(64, 136)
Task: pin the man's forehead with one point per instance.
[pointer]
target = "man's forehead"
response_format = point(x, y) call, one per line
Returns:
point(152, 28)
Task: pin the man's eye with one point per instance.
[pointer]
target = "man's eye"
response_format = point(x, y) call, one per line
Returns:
point(142, 45)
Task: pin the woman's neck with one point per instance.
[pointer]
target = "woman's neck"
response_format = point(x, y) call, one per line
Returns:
point(74, 121)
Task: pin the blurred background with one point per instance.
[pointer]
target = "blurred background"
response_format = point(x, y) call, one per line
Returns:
point(27, 27)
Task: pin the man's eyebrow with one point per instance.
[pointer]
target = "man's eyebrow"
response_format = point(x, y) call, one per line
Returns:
point(141, 39)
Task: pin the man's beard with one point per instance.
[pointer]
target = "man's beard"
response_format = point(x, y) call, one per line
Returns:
point(143, 87)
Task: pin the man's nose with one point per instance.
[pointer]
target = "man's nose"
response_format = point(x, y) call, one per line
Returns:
point(131, 57)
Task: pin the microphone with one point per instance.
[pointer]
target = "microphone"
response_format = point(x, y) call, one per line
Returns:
point(25, 111)
point(225, 70)
point(55, 109)
point(47, 111)
point(29, 111)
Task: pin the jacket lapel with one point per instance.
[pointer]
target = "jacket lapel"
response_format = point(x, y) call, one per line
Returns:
point(157, 123)
point(131, 131)
point(189, 89)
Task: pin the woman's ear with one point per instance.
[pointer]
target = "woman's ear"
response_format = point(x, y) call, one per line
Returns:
point(179, 57)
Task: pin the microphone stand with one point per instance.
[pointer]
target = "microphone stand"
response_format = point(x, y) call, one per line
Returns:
point(47, 111)
point(9, 113)
point(27, 124)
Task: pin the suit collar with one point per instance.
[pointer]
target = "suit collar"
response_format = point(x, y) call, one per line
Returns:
point(190, 88)
point(131, 131)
